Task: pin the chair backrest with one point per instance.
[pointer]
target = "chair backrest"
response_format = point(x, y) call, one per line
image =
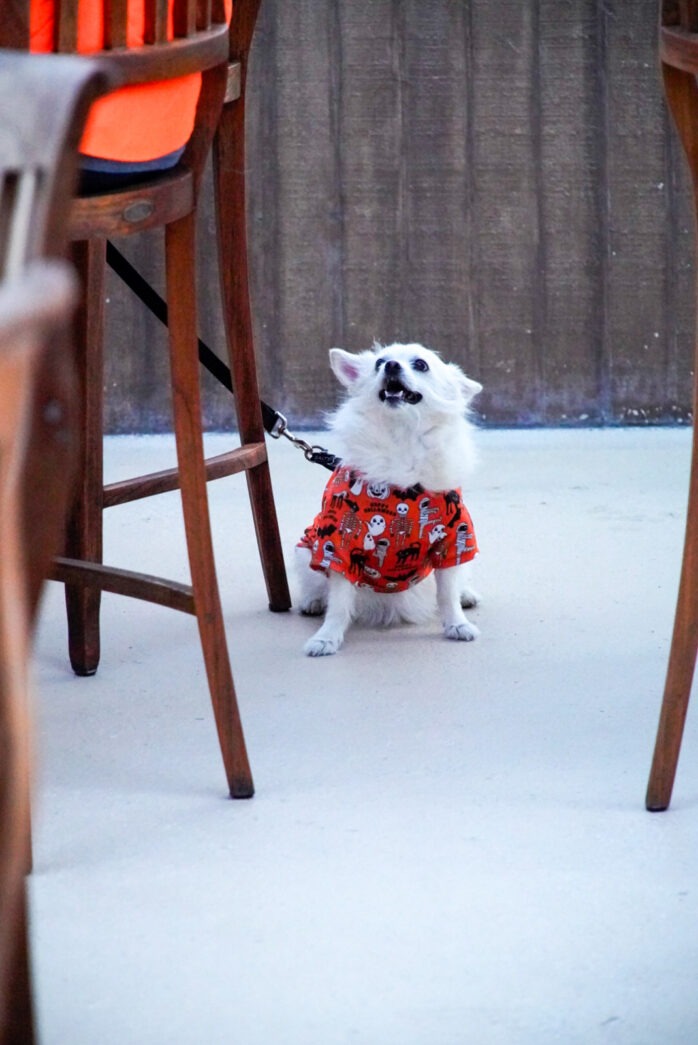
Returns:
point(162, 22)
point(43, 105)
point(195, 27)
point(32, 307)
point(150, 42)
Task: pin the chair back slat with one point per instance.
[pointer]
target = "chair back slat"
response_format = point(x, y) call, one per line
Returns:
point(184, 18)
point(21, 198)
point(8, 194)
point(65, 27)
point(188, 18)
point(175, 38)
point(204, 13)
point(115, 22)
point(156, 19)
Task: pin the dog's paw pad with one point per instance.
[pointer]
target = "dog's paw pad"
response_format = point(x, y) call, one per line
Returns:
point(461, 632)
point(469, 598)
point(313, 607)
point(321, 647)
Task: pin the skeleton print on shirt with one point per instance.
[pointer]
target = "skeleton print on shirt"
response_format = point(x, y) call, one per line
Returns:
point(388, 538)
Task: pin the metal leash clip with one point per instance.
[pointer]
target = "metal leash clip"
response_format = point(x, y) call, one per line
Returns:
point(316, 454)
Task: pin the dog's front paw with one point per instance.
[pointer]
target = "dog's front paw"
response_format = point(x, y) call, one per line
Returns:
point(465, 632)
point(316, 647)
point(313, 607)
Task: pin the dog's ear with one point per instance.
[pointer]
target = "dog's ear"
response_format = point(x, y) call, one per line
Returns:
point(470, 388)
point(346, 367)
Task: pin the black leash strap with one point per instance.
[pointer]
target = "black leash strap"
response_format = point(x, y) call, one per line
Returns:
point(275, 424)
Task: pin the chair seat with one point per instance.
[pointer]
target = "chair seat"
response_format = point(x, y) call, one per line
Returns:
point(159, 200)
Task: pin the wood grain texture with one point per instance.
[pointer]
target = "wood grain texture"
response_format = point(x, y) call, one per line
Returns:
point(499, 181)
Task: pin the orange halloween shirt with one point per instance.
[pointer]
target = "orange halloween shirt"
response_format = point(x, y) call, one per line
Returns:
point(134, 124)
point(387, 538)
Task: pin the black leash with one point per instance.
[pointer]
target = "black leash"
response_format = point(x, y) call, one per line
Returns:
point(275, 424)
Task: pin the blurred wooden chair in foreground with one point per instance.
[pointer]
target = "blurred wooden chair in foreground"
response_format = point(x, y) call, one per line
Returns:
point(33, 308)
point(678, 49)
point(43, 105)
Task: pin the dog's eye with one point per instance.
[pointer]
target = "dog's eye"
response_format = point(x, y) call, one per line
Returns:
point(420, 364)
point(379, 363)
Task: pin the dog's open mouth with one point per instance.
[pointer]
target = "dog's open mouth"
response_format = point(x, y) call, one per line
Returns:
point(394, 392)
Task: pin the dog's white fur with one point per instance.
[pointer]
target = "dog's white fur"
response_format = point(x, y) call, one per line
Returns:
point(402, 443)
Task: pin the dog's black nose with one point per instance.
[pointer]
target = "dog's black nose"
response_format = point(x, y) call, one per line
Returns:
point(392, 368)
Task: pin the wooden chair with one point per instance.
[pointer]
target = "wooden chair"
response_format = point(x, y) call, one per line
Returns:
point(678, 46)
point(33, 306)
point(168, 201)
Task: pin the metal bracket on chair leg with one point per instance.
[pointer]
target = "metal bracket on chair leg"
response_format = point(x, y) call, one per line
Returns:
point(316, 454)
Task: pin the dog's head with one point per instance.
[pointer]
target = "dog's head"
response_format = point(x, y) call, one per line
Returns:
point(404, 377)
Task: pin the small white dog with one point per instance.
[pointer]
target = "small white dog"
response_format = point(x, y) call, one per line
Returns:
point(392, 512)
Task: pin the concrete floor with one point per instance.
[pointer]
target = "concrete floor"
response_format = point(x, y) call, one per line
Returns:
point(448, 843)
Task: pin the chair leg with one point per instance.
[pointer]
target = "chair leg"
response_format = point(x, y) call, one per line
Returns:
point(84, 533)
point(181, 294)
point(229, 181)
point(49, 472)
point(682, 659)
point(18, 1024)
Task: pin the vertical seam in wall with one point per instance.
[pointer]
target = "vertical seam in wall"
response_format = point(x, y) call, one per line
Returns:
point(473, 319)
point(672, 240)
point(601, 333)
point(540, 276)
point(337, 205)
point(400, 230)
